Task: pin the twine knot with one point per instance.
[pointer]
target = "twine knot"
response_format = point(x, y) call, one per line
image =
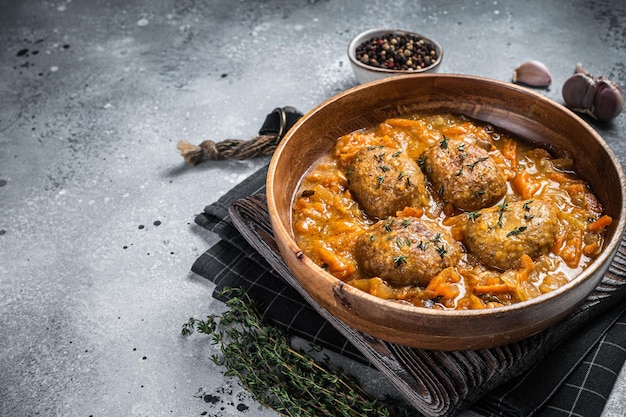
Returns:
point(276, 124)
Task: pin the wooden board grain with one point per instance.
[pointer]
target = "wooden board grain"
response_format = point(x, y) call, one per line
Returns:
point(438, 383)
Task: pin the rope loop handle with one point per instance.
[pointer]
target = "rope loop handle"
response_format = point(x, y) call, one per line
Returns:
point(276, 124)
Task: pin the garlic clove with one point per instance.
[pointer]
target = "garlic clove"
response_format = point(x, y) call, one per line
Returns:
point(608, 100)
point(578, 91)
point(532, 73)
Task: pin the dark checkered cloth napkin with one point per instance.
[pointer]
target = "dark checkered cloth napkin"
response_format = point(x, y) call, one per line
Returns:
point(575, 379)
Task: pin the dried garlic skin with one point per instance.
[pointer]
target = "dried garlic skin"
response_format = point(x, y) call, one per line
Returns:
point(532, 73)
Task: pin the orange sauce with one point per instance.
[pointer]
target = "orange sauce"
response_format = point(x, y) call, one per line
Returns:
point(327, 220)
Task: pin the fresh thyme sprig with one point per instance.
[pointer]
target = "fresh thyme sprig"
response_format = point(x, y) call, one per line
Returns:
point(504, 206)
point(289, 381)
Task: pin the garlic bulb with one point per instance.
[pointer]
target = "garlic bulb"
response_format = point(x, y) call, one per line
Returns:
point(608, 101)
point(578, 92)
point(597, 96)
point(532, 73)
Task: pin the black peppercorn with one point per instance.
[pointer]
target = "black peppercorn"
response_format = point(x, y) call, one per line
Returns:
point(397, 52)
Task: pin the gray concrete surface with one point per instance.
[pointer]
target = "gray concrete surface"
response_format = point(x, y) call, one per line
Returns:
point(96, 206)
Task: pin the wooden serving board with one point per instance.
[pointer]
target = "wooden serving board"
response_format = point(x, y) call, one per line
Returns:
point(437, 383)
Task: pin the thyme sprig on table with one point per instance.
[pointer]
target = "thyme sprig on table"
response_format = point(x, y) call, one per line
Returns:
point(287, 380)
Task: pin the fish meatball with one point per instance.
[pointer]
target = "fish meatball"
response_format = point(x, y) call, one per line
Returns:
point(384, 180)
point(464, 174)
point(498, 236)
point(406, 251)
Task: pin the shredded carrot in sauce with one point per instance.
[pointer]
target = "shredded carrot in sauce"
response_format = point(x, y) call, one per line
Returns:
point(328, 220)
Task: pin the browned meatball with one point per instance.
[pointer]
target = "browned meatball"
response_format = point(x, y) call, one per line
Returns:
point(464, 174)
point(500, 235)
point(384, 180)
point(406, 250)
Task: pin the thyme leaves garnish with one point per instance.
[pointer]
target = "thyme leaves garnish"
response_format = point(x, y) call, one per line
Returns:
point(473, 215)
point(423, 245)
point(441, 249)
point(400, 242)
point(504, 206)
point(399, 260)
point(462, 157)
point(444, 143)
point(478, 194)
point(290, 381)
point(516, 231)
point(421, 162)
point(526, 205)
point(473, 165)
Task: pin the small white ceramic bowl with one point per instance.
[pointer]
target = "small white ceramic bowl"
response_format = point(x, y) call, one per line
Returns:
point(365, 73)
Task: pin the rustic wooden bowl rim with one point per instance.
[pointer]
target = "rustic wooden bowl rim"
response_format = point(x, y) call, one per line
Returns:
point(609, 250)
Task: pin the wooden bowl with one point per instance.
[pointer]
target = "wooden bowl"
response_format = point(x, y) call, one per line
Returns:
point(507, 106)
